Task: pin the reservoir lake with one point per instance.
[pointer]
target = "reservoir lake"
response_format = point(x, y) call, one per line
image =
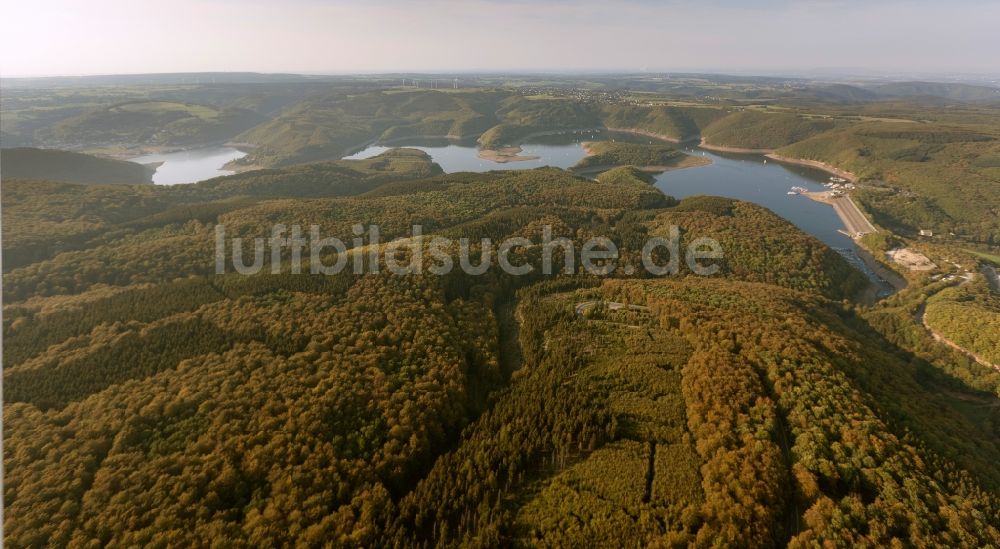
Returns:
point(752, 178)
point(463, 156)
point(192, 165)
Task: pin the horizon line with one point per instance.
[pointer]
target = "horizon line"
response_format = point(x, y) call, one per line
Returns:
point(796, 73)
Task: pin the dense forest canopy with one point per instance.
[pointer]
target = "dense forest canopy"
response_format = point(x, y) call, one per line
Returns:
point(754, 407)
point(918, 145)
point(150, 400)
point(610, 153)
point(69, 167)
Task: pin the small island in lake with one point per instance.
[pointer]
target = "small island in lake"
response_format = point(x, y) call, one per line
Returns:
point(653, 158)
point(505, 154)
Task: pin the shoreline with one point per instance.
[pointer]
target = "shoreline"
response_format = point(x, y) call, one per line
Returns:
point(854, 220)
point(503, 155)
point(532, 135)
point(354, 149)
point(733, 150)
point(843, 207)
point(236, 167)
point(886, 273)
point(647, 133)
point(556, 132)
point(689, 161)
point(448, 136)
point(850, 176)
point(635, 131)
point(151, 168)
point(653, 169)
point(121, 153)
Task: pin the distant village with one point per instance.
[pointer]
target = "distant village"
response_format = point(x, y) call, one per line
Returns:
point(608, 97)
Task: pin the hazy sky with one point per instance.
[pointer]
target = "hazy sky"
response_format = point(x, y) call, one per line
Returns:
point(46, 37)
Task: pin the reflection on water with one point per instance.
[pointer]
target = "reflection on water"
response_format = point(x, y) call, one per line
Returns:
point(746, 177)
point(755, 179)
point(749, 178)
point(192, 165)
point(560, 151)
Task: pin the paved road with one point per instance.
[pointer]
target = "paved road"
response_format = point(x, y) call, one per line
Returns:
point(853, 219)
point(921, 319)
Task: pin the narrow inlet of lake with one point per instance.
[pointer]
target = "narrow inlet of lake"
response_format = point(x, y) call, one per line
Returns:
point(192, 165)
point(756, 179)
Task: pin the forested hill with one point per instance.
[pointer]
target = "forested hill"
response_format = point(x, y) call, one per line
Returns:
point(148, 401)
point(709, 413)
point(897, 150)
point(44, 218)
point(70, 167)
point(152, 123)
point(926, 154)
point(602, 154)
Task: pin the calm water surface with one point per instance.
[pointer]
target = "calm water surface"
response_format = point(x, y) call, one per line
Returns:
point(756, 179)
point(192, 165)
point(746, 177)
point(561, 151)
